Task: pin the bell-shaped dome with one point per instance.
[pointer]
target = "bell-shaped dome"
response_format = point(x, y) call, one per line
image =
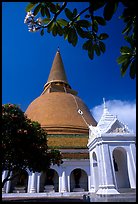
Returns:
point(57, 112)
point(58, 109)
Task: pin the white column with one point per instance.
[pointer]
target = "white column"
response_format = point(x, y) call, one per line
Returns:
point(60, 183)
point(100, 168)
point(29, 182)
point(131, 160)
point(4, 174)
point(64, 183)
point(108, 185)
point(33, 183)
point(133, 155)
point(89, 183)
point(38, 182)
point(92, 187)
point(68, 182)
point(8, 186)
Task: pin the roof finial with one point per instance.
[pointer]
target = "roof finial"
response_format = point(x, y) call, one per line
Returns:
point(58, 49)
point(104, 105)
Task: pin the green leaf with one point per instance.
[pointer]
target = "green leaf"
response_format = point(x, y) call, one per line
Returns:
point(125, 50)
point(130, 40)
point(102, 46)
point(30, 6)
point(47, 12)
point(43, 11)
point(103, 36)
point(46, 20)
point(75, 40)
point(110, 9)
point(124, 67)
point(62, 22)
point(37, 9)
point(83, 23)
point(80, 32)
point(134, 33)
point(50, 27)
point(59, 29)
point(89, 35)
point(65, 36)
point(95, 26)
point(78, 18)
point(69, 14)
point(121, 59)
point(97, 4)
point(54, 30)
point(132, 72)
point(127, 29)
point(100, 20)
point(53, 8)
point(90, 49)
point(57, 6)
point(87, 44)
point(72, 36)
point(97, 49)
point(42, 32)
point(65, 31)
point(91, 53)
point(74, 12)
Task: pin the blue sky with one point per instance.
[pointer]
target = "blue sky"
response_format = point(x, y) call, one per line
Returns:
point(27, 59)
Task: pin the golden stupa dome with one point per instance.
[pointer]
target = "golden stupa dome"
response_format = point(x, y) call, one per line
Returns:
point(58, 109)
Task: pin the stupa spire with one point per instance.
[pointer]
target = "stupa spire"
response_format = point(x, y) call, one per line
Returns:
point(57, 80)
point(57, 72)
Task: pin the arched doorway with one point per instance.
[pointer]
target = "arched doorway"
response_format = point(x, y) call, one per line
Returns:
point(95, 171)
point(20, 182)
point(78, 180)
point(121, 168)
point(49, 181)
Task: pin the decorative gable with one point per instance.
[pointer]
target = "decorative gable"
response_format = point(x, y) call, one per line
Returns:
point(118, 127)
point(108, 123)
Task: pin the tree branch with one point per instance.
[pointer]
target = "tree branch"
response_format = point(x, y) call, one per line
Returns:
point(56, 14)
point(92, 18)
point(83, 11)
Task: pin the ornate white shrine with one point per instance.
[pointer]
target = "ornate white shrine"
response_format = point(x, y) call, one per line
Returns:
point(112, 155)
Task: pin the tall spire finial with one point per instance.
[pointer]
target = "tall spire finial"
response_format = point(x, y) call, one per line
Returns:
point(57, 72)
point(104, 103)
point(104, 106)
point(58, 49)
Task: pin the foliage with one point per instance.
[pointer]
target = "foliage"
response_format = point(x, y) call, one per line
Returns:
point(24, 143)
point(72, 27)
